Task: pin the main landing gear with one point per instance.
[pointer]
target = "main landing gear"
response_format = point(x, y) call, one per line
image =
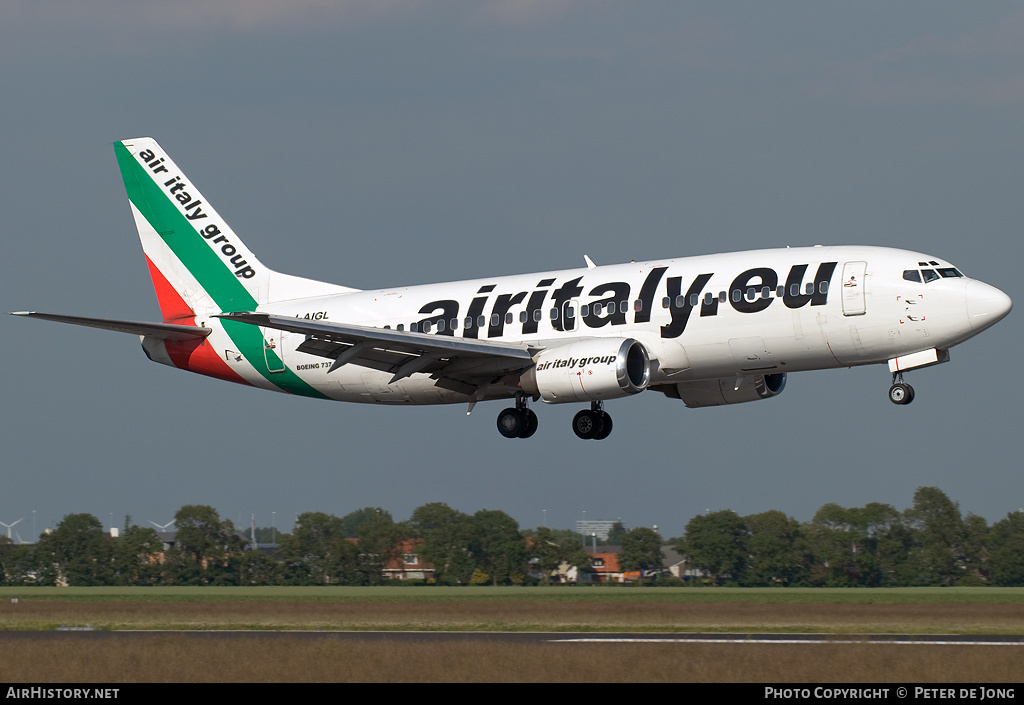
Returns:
point(900, 392)
point(519, 422)
point(593, 423)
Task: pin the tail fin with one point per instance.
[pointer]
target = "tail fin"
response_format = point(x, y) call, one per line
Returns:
point(198, 265)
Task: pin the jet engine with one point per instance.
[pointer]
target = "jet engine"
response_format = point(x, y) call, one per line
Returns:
point(589, 370)
point(727, 390)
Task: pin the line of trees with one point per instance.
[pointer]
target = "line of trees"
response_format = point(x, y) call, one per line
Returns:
point(876, 545)
point(930, 543)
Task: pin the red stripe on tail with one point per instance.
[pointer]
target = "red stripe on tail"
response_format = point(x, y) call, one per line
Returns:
point(193, 355)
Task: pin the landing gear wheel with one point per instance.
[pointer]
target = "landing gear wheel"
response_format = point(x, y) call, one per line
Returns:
point(588, 424)
point(606, 426)
point(531, 424)
point(901, 393)
point(512, 423)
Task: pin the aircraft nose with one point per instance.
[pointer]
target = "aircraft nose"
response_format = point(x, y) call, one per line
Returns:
point(985, 305)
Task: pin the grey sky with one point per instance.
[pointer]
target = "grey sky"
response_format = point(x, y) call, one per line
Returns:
point(382, 143)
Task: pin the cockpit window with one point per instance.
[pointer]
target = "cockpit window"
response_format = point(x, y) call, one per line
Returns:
point(950, 272)
point(912, 275)
point(929, 275)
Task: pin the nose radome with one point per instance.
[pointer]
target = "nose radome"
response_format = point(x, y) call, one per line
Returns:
point(985, 305)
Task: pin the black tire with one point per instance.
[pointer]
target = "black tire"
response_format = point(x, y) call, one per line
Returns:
point(587, 424)
point(511, 423)
point(530, 427)
point(901, 393)
point(606, 426)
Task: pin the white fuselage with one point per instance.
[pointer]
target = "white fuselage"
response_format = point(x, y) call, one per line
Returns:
point(706, 317)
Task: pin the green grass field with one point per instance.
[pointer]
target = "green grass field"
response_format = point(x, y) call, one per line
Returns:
point(924, 610)
point(184, 658)
point(516, 594)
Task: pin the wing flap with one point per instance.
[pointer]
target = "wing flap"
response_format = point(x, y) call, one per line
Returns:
point(398, 352)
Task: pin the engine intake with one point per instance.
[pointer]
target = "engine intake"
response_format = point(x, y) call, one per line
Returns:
point(589, 370)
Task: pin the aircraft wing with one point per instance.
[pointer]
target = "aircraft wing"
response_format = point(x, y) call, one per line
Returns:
point(166, 331)
point(459, 364)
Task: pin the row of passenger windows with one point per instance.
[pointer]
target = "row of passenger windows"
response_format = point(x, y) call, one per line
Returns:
point(599, 309)
point(930, 275)
point(751, 294)
point(510, 318)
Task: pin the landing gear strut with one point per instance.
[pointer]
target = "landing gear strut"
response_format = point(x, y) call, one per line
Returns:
point(518, 422)
point(593, 423)
point(900, 392)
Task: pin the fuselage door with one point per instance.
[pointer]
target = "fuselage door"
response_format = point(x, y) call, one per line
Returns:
point(273, 349)
point(853, 288)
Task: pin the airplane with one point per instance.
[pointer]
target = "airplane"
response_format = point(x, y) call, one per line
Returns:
point(707, 330)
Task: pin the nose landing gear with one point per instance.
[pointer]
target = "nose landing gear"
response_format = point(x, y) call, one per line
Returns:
point(900, 392)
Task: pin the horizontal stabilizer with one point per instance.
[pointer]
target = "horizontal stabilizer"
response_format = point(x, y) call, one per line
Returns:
point(164, 331)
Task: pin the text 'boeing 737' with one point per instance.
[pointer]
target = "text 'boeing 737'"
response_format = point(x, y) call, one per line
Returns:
point(708, 330)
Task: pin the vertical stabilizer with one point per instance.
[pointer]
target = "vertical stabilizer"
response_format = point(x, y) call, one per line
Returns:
point(198, 264)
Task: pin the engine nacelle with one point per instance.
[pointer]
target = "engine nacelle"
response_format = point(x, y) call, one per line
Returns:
point(715, 392)
point(590, 370)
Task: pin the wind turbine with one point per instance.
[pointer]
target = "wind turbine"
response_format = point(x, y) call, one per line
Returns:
point(10, 525)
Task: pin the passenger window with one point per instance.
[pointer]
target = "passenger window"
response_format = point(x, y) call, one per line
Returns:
point(495, 320)
point(598, 308)
point(722, 297)
point(584, 310)
point(537, 314)
point(736, 296)
point(554, 314)
point(780, 291)
point(624, 306)
point(766, 291)
point(709, 298)
point(666, 302)
point(523, 316)
point(387, 327)
point(481, 321)
point(638, 305)
point(426, 326)
point(694, 299)
point(414, 327)
point(455, 323)
point(508, 319)
point(823, 288)
point(611, 308)
point(929, 275)
point(401, 327)
point(912, 275)
point(680, 301)
point(440, 326)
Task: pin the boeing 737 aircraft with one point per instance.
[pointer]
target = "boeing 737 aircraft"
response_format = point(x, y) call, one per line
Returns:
point(707, 330)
